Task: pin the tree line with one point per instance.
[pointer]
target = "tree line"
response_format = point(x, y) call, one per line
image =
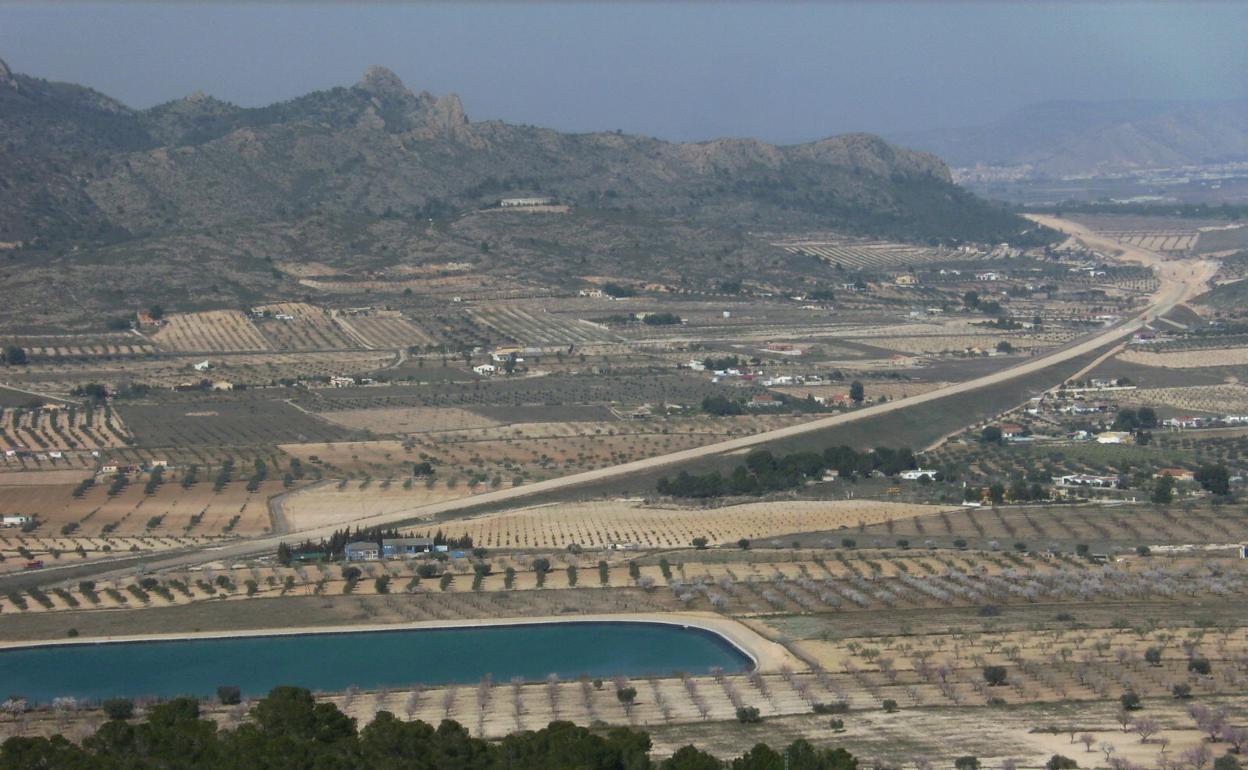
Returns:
point(290, 730)
point(764, 472)
point(335, 546)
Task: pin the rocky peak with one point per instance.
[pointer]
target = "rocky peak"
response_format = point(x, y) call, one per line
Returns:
point(447, 112)
point(380, 81)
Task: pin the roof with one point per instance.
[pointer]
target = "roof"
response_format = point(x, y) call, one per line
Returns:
point(366, 545)
point(398, 541)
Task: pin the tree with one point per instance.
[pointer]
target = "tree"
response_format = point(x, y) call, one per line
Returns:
point(1226, 762)
point(748, 715)
point(1058, 762)
point(118, 709)
point(967, 762)
point(1129, 700)
point(856, 392)
point(1087, 739)
point(1153, 656)
point(971, 299)
point(15, 355)
point(1145, 727)
point(700, 543)
point(744, 544)
point(691, 758)
point(229, 694)
point(626, 695)
point(1216, 479)
point(990, 435)
point(1199, 666)
point(995, 676)
point(1163, 491)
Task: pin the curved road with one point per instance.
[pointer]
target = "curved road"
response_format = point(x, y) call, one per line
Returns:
point(1180, 280)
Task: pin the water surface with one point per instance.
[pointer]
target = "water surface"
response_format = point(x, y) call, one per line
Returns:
point(366, 659)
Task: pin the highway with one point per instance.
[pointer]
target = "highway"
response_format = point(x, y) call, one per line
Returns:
point(1179, 281)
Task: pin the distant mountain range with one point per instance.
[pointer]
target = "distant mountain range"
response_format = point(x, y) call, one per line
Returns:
point(1068, 138)
point(374, 177)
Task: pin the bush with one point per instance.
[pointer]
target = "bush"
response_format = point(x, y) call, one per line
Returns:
point(966, 763)
point(1199, 666)
point(1130, 701)
point(837, 725)
point(427, 570)
point(995, 676)
point(351, 573)
point(839, 707)
point(1058, 762)
point(748, 715)
point(1181, 691)
point(382, 584)
point(1153, 656)
point(118, 709)
point(229, 695)
point(700, 543)
point(890, 705)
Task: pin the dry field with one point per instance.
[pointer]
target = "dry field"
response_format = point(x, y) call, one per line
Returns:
point(869, 255)
point(1187, 359)
point(1173, 240)
point(386, 329)
point(44, 346)
point(418, 419)
point(1231, 398)
point(541, 449)
point(542, 328)
point(311, 328)
point(630, 523)
point(212, 331)
point(331, 503)
point(59, 429)
point(171, 509)
point(890, 388)
point(249, 368)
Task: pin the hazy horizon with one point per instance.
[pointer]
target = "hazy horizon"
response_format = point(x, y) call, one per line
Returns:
point(779, 72)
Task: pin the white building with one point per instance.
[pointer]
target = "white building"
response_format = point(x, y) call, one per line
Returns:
point(508, 203)
point(918, 473)
point(485, 370)
point(14, 520)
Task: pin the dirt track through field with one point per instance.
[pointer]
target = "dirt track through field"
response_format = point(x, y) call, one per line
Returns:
point(1179, 280)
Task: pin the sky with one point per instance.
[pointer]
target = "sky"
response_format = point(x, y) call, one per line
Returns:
point(782, 72)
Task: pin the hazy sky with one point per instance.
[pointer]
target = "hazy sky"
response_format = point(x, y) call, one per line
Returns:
point(781, 72)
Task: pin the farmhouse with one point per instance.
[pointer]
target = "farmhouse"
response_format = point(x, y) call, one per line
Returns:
point(403, 547)
point(1178, 474)
point(341, 382)
point(485, 370)
point(917, 473)
point(906, 279)
point(202, 366)
point(765, 401)
point(362, 551)
point(1011, 430)
point(14, 520)
point(146, 321)
point(508, 203)
point(500, 355)
point(988, 276)
point(1114, 437)
point(1086, 480)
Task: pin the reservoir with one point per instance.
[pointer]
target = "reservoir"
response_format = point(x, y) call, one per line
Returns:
point(364, 659)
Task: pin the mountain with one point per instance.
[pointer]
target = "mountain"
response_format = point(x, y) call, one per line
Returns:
point(352, 175)
point(1069, 138)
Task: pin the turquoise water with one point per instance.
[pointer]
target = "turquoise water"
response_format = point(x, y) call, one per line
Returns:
point(366, 659)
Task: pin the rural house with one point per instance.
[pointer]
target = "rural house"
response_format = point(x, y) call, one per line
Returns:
point(362, 551)
point(404, 547)
point(1178, 474)
point(14, 520)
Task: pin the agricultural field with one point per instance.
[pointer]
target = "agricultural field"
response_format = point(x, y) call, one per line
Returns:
point(385, 329)
point(1187, 359)
point(1230, 398)
point(211, 331)
point(225, 423)
point(52, 346)
point(55, 427)
point(305, 327)
point(868, 255)
point(171, 509)
point(541, 329)
point(640, 526)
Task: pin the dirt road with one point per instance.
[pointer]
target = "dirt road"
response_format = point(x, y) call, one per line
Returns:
point(1180, 280)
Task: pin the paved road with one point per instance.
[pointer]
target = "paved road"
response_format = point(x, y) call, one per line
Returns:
point(1180, 280)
